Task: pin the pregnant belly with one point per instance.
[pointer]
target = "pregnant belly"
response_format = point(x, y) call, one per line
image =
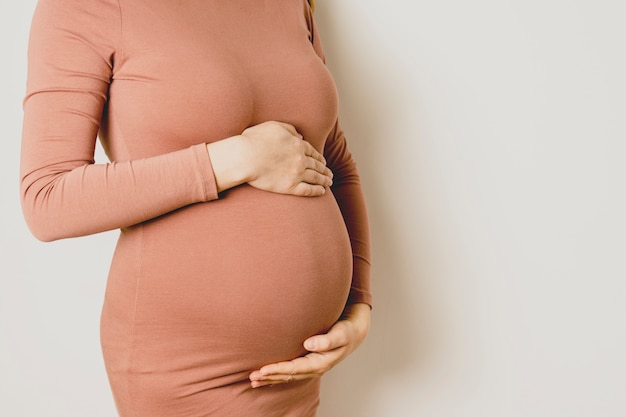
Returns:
point(235, 283)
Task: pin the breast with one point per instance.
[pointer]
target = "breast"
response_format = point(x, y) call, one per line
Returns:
point(198, 77)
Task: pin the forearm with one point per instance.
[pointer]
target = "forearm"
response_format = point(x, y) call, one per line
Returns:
point(349, 195)
point(352, 205)
point(75, 198)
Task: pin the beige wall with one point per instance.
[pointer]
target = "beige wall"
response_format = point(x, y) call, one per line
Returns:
point(491, 137)
point(491, 141)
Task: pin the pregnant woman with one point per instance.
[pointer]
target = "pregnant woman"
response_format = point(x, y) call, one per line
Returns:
point(241, 273)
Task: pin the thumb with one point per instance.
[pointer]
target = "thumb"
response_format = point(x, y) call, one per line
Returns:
point(314, 343)
point(335, 338)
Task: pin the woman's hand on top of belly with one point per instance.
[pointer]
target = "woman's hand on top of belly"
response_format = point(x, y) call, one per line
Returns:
point(270, 156)
point(326, 350)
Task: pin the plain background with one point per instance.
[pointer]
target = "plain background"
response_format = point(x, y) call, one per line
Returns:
point(491, 140)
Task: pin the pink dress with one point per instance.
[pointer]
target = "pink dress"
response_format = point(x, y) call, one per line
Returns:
point(203, 288)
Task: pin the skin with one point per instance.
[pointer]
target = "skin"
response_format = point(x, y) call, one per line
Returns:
point(273, 156)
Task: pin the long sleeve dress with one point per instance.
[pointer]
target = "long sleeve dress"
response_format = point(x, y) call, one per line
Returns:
point(203, 287)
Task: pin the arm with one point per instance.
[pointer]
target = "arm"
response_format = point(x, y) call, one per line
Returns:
point(72, 60)
point(349, 195)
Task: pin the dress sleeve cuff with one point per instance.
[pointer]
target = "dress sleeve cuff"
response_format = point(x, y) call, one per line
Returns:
point(206, 176)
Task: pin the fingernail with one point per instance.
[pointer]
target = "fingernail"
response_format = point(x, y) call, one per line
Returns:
point(310, 344)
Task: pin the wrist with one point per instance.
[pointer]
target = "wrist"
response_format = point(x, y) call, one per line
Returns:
point(229, 158)
point(360, 316)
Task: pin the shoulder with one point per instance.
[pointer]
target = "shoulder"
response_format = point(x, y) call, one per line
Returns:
point(64, 30)
point(77, 14)
point(78, 7)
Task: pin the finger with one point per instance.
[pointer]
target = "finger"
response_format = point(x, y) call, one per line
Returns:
point(304, 189)
point(312, 363)
point(318, 166)
point(309, 366)
point(336, 337)
point(283, 379)
point(276, 371)
point(315, 178)
point(309, 150)
point(287, 368)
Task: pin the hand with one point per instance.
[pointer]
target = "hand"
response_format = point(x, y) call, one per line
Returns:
point(327, 350)
point(271, 156)
point(285, 163)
